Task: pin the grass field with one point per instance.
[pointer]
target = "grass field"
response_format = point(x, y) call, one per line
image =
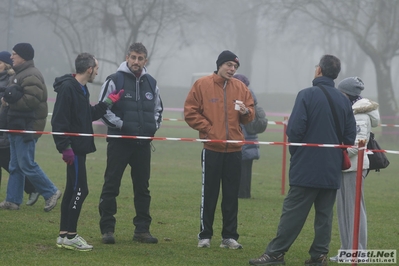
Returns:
point(28, 236)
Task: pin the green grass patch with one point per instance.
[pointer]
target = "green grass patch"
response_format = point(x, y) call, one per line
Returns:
point(28, 236)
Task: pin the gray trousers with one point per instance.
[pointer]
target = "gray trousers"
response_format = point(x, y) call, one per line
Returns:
point(346, 196)
point(296, 208)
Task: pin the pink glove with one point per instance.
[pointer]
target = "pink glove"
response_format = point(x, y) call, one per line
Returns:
point(68, 156)
point(114, 97)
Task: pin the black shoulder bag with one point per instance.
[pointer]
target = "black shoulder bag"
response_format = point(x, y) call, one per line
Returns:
point(378, 160)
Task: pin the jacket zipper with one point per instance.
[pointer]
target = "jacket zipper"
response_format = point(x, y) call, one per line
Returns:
point(225, 113)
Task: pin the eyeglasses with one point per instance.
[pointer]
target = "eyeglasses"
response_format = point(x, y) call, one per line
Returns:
point(230, 65)
point(316, 66)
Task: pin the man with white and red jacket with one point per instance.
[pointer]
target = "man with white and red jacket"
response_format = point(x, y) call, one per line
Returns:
point(215, 106)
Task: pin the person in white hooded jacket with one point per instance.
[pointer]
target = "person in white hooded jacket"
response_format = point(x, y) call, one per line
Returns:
point(367, 116)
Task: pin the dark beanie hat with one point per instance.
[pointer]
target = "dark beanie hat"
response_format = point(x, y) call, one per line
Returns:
point(5, 57)
point(242, 78)
point(24, 50)
point(226, 56)
point(352, 86)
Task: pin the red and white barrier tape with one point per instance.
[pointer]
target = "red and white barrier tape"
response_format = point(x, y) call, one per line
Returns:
point(188, 139)
point(269, 122)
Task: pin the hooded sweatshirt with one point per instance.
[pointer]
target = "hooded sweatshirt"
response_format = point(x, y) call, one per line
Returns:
point(139, 111)
point(73, 113)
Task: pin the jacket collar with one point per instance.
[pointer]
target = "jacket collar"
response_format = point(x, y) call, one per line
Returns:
point(324, 81)
point(23, 66)
point(218, 79)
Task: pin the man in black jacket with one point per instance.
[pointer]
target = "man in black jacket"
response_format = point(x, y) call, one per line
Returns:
point(74, 114)
point(139, 113)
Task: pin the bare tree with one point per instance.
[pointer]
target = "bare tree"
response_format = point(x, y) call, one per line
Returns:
point(107, 27)
point(373, 26)
point(232, 25)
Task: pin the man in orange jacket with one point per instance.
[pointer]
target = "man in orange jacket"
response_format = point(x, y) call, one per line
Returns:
point(215, 106)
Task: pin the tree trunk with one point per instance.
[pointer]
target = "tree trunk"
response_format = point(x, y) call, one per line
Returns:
point(386, 99)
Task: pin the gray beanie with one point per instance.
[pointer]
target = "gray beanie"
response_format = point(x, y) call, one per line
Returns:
point(352, 86)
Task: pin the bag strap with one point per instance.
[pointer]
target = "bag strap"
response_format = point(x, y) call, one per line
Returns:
point(334, 113)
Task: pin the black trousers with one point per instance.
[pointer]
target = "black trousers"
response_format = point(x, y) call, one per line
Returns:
point(120, 153)
point(5, 161)
point(225, 168)
point(76, 191)
point(246, 177)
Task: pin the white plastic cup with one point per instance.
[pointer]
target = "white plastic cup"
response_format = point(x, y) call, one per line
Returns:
point(237, 106)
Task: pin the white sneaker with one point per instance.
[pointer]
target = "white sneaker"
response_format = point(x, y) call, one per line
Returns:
point(230, 243)
point(334, 259)
point(60, 241)
point(33, 197)
point(204, 243)
point(52, 201)
point(77, 243)
point(9, 205)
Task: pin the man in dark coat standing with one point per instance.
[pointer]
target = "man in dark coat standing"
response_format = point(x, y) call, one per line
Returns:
point(315, 172)
point(23, 146)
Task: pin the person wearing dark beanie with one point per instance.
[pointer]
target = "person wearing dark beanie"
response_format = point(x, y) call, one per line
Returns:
point(250, 152)
point(216, 106)
point(24, 50)
point(22, 148)
point(226, 56)
point(5, 57)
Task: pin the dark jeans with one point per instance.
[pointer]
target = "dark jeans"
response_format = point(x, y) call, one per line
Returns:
point(296, 208)
point(225, 168)
point(120, 153)
point(4, 162)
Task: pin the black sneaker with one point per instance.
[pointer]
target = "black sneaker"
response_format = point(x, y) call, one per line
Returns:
point(266, 259)
point(108, 238)
point(145, 238)
point(320, 261)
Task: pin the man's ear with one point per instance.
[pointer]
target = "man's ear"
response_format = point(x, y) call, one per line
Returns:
point(319, 71)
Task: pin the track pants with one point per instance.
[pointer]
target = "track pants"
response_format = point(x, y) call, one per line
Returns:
point(224, 168)
point(346, 196)
point(76, 191)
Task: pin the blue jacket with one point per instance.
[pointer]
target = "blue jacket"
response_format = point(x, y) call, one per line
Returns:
point(312, 121)
point(250, 151)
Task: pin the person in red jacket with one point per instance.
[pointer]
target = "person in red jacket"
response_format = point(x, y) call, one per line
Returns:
point(216, 106)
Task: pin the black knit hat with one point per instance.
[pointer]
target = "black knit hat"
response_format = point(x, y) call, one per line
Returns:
point(24, 50)
point(226, 56)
